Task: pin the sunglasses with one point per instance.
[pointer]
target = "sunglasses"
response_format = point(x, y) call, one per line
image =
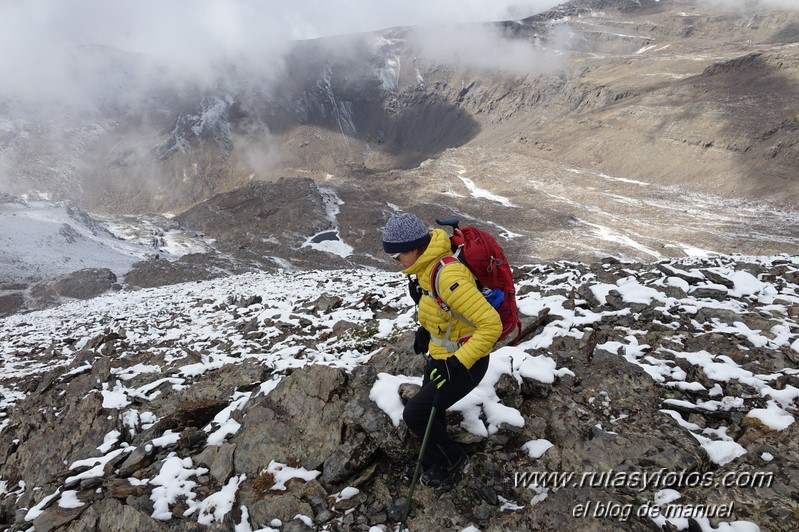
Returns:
point(396, 256)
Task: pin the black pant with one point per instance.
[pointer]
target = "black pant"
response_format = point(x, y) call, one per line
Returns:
point(441, 450)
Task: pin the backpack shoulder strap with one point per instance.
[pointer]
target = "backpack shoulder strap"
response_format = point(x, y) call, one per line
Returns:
point(444, 341)
point(434, 273)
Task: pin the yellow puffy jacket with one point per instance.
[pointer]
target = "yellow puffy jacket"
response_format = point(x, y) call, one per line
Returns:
point(458, 289)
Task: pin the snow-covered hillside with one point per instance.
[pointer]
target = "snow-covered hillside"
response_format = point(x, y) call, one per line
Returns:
point(42, 239)
point(703, 348)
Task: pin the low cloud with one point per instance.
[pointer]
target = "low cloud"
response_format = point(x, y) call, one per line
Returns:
point(487, 47)
point(751, 5)
point(64, 51)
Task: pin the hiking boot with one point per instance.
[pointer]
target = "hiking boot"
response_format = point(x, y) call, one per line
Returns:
point(408, 470)
point(442, 478)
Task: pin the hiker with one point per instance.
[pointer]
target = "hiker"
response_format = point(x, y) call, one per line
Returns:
point(457, 343)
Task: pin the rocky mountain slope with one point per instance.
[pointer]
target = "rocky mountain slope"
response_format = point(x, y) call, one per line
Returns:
point(650, 397)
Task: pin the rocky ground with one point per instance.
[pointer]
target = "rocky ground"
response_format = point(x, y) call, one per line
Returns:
point(270, 402)
point(254, 383)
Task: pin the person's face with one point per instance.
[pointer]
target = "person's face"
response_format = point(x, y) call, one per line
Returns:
point(406, 258)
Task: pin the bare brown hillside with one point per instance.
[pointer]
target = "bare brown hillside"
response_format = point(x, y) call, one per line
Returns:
point(669, 93)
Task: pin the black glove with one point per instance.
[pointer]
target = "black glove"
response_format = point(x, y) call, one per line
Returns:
point(414, 289)
point(438, 377)
point(452, 369)
point(422, 341)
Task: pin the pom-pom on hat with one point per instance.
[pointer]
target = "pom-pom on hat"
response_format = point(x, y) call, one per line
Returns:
point(404, 232)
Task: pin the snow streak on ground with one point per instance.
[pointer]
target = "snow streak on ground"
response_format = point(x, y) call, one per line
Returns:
point(196, 328)
point(330, 239)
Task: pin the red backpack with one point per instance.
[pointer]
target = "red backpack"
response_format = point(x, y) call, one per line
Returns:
point(479, 251)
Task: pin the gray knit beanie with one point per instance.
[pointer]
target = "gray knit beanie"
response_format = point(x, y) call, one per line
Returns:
point(404, 232)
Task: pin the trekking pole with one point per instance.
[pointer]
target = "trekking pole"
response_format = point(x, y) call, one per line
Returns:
point(416, 471)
